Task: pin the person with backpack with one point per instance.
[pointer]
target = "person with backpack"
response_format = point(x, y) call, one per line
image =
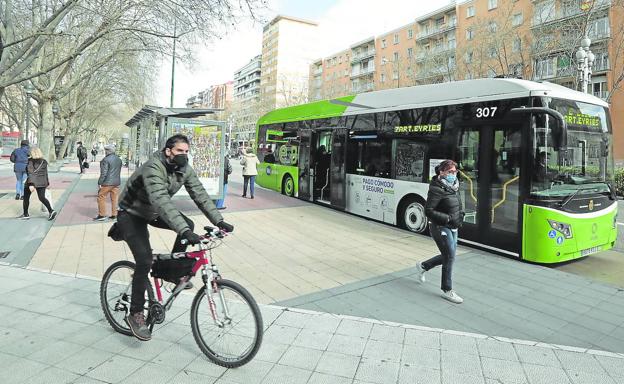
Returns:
point(94, 153)
point(81, 152)
point(227, 170)
point(19, 157)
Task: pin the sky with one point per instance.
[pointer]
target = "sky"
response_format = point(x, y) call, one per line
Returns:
point(341, 24)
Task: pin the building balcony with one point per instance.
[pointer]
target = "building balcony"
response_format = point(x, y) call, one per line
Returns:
point(363, 55)
point(434, 52)
point(318, 71)
point(436, 31)
point(360, 88)
point(563, 14)
point(363, 72)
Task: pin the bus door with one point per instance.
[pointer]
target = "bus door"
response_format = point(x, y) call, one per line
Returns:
point(306, 173)
point(490, 161)
point(338, 176)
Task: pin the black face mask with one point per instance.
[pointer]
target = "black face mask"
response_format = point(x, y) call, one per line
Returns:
point(180, 160)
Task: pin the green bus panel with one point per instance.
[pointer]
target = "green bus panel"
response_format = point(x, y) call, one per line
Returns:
point(543, 244)
point(271, 176)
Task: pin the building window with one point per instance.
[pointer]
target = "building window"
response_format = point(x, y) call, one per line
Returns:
point(396, 38)
point(395, 57)
point(599, 28)
point(468, 58)
point(410, 33)
point(492, 52)
point(410, 52)
point(517, 19)
point(491, 73)
point(439, 23)
point(545, 68)
point(470, 11)
point(517, 44)
point(340, 59)
point(453, 20)
point(492, 27)
point(383, 60)
point(383, 43)
point(600, 89)
point(383, 77)
point(544, 11)
point(469, 34)
point(492, 4)
point(451, 42)
point(451, 61)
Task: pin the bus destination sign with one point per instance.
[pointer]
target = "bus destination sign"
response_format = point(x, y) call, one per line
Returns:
point(420, 128)
point(582, 119)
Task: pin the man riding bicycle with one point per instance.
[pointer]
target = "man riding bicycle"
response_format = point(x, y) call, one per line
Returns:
point(146, 200)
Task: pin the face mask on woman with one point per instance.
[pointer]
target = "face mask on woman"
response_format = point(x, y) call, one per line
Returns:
point(451, 178)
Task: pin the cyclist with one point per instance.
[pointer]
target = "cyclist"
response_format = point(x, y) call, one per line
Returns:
point(146, 200)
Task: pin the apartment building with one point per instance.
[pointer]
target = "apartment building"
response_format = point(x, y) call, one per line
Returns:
point(532, 39)
point(245, 111)
point(289, 46)
point(396, 58)
point(331, 76)
point(217, 96)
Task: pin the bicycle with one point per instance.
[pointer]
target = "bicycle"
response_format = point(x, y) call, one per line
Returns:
point(228, 308)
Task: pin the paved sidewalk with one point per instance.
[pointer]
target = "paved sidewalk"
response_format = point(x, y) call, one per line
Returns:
point(53, 332)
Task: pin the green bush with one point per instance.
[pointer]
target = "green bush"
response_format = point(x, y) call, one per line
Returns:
point(619, 181)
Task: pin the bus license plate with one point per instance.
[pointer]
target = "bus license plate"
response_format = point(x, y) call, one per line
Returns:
point(589, 251)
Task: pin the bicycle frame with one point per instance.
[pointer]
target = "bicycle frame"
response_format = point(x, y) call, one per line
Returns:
point(210, 274)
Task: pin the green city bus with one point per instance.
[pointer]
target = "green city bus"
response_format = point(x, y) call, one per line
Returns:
point(535, 161)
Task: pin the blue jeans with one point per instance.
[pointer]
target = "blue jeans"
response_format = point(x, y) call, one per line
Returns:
point(221, 201)
point(249, 179)
point(21, 177)
point(446, 240)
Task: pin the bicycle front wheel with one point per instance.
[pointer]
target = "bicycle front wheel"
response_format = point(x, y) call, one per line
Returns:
point(228, 330)
point(115, 292)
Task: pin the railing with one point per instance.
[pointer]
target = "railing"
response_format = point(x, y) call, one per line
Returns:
point(434, 51)
point(601, 65)
point(435, 30)
point(318, 71)
point(362, 72)
point(569, 12)
point(359, 88)
point(363, 55)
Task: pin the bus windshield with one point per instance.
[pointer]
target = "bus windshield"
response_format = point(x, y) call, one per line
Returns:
point(585, 166)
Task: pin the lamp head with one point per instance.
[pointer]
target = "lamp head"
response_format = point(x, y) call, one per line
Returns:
point(585, 43)
point(591, 57)
point(580, 55)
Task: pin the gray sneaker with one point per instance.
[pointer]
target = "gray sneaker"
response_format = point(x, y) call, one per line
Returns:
point(452, 297)
point(421, 273)
point(136, 322)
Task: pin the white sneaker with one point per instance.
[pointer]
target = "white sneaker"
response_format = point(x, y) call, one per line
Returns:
point(421, 273)
point(452, 297)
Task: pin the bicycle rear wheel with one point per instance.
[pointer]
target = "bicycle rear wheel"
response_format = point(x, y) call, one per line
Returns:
point(236, 339)
point(115, 290)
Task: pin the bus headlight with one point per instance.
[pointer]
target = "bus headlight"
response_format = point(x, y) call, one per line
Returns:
point(563, 228)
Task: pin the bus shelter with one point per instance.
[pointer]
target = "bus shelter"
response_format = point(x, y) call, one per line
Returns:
point(151, 126)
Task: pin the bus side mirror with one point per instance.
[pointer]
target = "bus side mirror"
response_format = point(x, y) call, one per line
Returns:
point(559, 130)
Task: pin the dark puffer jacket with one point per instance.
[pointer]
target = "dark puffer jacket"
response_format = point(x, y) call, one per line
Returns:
point(444, 206)
point(148, 192)
point(37, 170)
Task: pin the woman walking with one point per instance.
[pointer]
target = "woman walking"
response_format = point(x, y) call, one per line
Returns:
point(445, 214)
point(249, 163)
point(37, 180)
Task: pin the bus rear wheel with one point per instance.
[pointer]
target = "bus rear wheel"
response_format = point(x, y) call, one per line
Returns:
point(288, 186)
point(412, 215)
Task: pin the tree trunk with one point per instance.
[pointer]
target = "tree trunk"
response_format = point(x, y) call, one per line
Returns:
point(45, 127)
point(66, 140)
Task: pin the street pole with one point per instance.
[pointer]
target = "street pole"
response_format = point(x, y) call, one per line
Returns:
point(584, 61)
point(175, 25)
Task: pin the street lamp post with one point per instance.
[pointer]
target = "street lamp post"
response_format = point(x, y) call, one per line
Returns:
point(584, 62)
point(29, 89)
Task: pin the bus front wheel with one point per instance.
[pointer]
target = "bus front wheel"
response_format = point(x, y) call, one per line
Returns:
point(288, 186)
point(412, 215)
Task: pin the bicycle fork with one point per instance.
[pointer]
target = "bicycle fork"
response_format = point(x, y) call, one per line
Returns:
point(211, 286)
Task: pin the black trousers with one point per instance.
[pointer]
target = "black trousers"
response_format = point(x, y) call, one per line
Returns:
point(40, 195)
point(136, 235)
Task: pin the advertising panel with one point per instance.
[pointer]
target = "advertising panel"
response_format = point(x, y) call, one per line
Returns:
point(10, 141)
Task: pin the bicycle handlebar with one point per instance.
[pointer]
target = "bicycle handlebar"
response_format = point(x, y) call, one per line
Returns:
point(210, 232)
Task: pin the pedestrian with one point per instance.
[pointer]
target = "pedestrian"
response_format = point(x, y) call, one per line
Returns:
point(37, 181)
point(249, 163)
point(94, 153)
point(445, 214)
point(81, 152)
point(108, 183)
point(19, 157)
point(227, 169)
